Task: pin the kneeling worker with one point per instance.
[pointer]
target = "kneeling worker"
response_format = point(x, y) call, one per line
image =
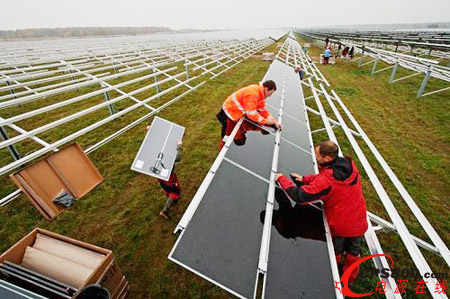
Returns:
point(338, 185)
point(249, 102)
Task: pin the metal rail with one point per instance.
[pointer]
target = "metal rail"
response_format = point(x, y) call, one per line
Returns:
point(429, 68)
point(216, 58)
point(411, 242)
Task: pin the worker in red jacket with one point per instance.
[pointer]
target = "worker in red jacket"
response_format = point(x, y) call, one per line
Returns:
point(338, 186)
point(248, 102)
point(171, 187)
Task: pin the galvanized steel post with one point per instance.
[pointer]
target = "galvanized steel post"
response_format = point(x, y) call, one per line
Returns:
point(394, 72)
point(11, 148)
point(107, 99)
point(362, 55)
point(425, 81)
point(11, 90)
point(156, 82)
point(375, 64)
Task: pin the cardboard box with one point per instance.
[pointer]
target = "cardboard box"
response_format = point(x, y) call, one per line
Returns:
point(268, 56)
point(107, 273)
point(68, 169)
point(115, 282)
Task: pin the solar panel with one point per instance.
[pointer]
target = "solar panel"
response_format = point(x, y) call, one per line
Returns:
point(299, 262)
point(273, 110)
point(299, 265)
point(292, 132)
point(256, 154)
point(294, 110)
point(158, 151)
point(291, 159)
point(223, 238)
point(11, 291)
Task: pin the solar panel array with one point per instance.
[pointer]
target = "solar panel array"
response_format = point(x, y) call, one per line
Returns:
point(274, 236)
point(240, 225)
point(252, 213)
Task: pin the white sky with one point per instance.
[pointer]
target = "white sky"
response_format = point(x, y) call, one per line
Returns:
point(211, 14)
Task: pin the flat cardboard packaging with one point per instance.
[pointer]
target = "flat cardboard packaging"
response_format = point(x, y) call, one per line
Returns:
point(68, 169)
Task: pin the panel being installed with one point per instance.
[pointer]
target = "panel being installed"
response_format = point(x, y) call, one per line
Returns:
point(158, 151)
point(292, 159)
point(299, 262)
point(255, 155)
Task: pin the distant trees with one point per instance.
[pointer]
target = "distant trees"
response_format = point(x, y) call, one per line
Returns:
point(79, 32)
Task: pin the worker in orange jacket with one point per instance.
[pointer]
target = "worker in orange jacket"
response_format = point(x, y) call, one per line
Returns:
point(248, 102)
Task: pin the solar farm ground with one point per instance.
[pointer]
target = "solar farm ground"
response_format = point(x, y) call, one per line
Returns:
point(121, 214)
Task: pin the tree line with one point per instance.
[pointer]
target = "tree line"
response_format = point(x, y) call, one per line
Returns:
point(79, 32)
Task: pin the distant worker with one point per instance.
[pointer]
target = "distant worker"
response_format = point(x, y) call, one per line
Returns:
point(326, 55)
point(298, 69)
point(248, 102)
point(338, 186)
point(351, 53)
point(345, 52)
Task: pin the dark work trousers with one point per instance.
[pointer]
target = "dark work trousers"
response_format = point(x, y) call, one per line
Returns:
point(172, 187)
point(349, 245)
point(228, 126)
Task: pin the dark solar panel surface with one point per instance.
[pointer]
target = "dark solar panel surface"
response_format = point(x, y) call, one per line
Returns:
point(223, 238)
point(222, 241)
point(299, 263)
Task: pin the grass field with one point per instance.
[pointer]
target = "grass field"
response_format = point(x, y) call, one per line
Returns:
point(121, 214)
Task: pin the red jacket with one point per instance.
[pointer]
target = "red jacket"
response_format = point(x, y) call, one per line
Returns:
point(171, 187)
point(338, 185)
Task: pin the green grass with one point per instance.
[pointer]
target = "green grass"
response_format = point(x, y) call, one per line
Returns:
point(121, 214)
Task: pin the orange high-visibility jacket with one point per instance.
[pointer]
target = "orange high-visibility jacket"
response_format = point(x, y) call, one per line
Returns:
point(247, 101)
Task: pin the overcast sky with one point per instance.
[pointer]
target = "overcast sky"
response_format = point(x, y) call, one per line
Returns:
point(224, 14)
